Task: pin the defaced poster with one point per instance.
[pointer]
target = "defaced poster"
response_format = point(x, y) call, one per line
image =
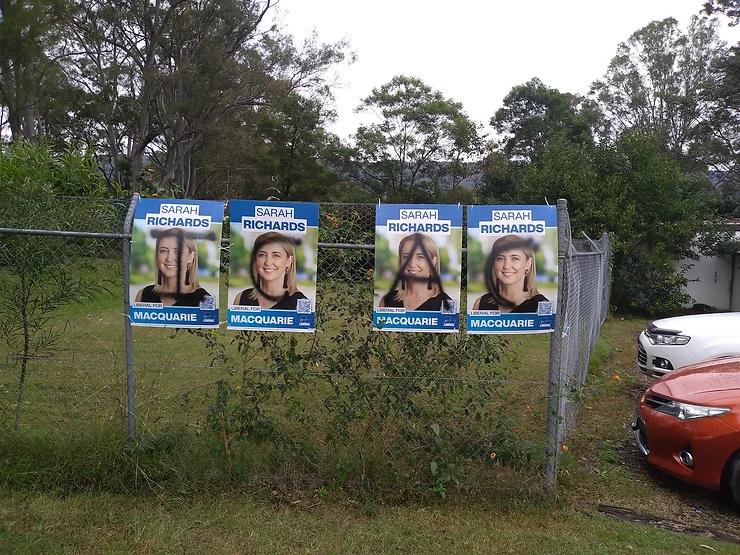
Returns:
point(418, 259)
point(175, 261)
point(512, 260)
point(272, 266)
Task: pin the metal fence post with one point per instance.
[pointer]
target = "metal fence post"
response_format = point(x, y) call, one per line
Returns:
point(553, 386)
point(606, 272)
point(126, 243)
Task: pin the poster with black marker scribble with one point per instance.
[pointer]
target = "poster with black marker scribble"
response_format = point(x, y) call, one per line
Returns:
point(272, 265)
point(512, 261)
point(418, 261)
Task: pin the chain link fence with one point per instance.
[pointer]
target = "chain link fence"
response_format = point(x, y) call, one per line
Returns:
point(382, 412)
point(584, 305)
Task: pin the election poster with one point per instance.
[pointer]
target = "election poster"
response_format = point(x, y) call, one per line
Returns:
point(175, 262)
point(272, 266)
point(512, 260)
point(418, 261)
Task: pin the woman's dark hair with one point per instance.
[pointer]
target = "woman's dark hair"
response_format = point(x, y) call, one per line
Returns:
point(502, 245)
point(431, 253)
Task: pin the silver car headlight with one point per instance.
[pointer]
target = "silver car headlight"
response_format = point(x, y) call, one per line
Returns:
point(663, 339)
point(686, 411)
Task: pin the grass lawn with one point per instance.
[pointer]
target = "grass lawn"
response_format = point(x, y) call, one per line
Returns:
point(244, 524)
point(599, 467)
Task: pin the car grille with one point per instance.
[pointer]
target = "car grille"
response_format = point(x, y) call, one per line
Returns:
point(656, 401)
point(641, 354)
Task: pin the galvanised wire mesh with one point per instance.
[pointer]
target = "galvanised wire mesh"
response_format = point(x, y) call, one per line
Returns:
point(585, 289)
point(384, 411)
point(380, 411)
point(61, 316)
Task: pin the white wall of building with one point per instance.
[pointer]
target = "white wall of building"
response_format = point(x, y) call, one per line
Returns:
point(735, 301)
point(714, 281)
point(709, 281)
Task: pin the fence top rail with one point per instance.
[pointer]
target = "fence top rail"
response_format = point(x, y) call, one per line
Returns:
point(579, 253)
point(224, 241)
point(57, 233)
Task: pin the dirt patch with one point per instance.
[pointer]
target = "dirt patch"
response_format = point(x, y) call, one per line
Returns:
point(628, 515)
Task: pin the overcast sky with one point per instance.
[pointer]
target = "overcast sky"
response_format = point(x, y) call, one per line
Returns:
point(474, 52)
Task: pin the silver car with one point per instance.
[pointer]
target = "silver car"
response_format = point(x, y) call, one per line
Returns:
point(671, 343)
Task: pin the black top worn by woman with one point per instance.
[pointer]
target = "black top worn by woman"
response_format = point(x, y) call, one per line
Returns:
point(434, 304)
point(530, 305)
point(289, 302)
point(183, 299)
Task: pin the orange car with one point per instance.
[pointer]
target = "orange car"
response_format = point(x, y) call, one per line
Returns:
point(688, 424)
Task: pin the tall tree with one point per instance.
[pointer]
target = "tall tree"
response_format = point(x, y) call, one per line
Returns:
point(104, 77)
point(534, 114)
point(161, 77)
point(287, 150)
point(28, 28)
point(422, 142)
point(634, 190)
point(655, 83)
point(730, 8)
point(722, 129)
point(724, 125)
point(498, 182)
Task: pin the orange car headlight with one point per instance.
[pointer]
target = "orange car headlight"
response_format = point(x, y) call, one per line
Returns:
point(687, 411)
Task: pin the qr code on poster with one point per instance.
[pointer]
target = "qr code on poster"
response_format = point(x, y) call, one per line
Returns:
point(449, 307)
point(303, 306)
point(208, 303)
point(544, 308)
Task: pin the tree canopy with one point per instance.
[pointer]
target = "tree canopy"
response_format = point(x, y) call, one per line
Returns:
point(534, 114)
point(421, 141)
point(655, 84)
point(636, 192)
point(206, 99)
point(730, 8)
point(286, 156)
point(148, 81)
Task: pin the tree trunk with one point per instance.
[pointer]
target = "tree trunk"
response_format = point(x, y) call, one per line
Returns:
point(29, 124)
point(24, 359)
point(140, 142)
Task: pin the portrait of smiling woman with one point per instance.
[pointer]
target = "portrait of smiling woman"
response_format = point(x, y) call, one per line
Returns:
point(511, 277)
point(176, 271)
point(417, 285)
point(273, 272)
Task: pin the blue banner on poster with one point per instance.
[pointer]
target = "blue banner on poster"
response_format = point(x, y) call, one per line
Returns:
point(512, 269)
point(272, 265)
point(175, 263)
point(418, 261)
